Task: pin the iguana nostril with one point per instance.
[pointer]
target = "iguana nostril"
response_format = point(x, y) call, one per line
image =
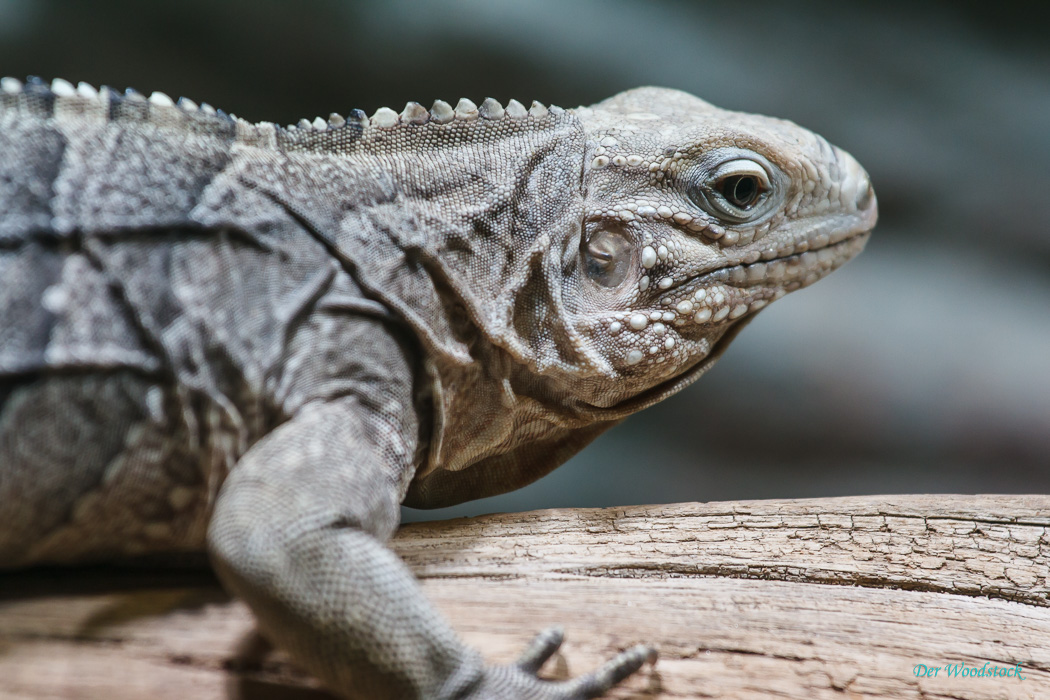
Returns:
point(853, 178)
point(865, 197)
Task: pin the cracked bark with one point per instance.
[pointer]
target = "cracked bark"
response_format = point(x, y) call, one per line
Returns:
point(811, 599)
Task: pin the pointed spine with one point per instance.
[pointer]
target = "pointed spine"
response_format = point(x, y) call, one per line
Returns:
point(384, 118)
point(414, 113)
point(442, 112)
point(10, 86)
point(466, 110)
point(358, 116)
point(159, 99)
point(86, 91)
point(516, 110)
point(63, 88)
point(491, 109)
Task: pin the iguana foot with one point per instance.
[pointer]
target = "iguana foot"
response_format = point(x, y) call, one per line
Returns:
point(519, 680)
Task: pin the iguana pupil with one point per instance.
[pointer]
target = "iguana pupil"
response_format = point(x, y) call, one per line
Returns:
point(740, 190)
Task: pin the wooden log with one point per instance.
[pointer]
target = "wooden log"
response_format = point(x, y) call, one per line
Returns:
point(822, 598)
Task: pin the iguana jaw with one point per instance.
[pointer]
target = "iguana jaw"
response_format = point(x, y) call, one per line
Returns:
point(798, 271)
point(733, 291)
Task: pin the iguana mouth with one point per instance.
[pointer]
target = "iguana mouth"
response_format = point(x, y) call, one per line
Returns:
point(731, 292)
point(788, 268)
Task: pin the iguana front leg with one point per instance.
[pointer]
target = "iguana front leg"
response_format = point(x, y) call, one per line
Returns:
point(298, 533)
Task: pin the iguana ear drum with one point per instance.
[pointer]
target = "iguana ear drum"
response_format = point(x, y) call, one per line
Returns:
point(607, 257)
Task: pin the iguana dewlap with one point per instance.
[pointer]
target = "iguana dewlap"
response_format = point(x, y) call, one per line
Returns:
point(262, 340)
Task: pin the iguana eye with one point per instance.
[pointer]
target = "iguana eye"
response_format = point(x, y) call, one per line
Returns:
point(607, 257)
point(735, 190)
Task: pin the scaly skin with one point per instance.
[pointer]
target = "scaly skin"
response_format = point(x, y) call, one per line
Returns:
point(262, 340)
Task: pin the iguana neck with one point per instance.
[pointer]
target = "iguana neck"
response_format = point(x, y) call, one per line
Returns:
point(475, 208)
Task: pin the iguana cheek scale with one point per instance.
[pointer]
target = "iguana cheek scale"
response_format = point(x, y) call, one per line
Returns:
point(261, 339)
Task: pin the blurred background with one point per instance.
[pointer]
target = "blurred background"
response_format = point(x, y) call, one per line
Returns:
point(923, 366)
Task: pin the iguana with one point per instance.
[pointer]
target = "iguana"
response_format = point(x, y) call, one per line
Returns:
point(260, 340)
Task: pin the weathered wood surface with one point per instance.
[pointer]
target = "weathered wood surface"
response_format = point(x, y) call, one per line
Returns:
point(824, 598)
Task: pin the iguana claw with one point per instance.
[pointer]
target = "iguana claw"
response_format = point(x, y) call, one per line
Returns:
point(519, 681)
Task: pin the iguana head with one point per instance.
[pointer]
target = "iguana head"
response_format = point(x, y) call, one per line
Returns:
point(694, 219)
